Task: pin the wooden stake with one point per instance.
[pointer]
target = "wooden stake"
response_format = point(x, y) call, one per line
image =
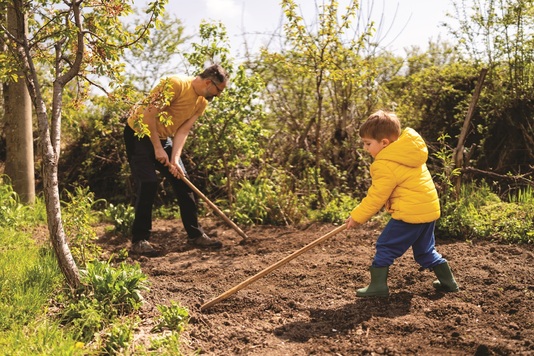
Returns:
point(272, 267)
point(458, 153)
point(214, 207)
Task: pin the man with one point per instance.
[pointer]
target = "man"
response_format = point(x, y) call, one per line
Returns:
point(165, 118)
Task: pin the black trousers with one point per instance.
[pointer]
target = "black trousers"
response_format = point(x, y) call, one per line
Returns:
point(144, 165)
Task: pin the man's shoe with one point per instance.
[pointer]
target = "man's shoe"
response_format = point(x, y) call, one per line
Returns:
point(144, 247)
point(205, 241)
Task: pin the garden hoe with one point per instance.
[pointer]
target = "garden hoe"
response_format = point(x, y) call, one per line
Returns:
point(272, 267)
point(214, 207)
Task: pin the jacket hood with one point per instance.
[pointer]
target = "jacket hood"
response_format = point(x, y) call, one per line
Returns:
point(409, 150)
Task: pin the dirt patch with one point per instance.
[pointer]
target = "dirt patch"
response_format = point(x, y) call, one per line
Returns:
point(308, 306)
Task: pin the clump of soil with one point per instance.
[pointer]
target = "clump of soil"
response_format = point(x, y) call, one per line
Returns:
point(308, 306)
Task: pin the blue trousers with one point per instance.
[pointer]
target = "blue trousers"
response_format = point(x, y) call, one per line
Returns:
point(144, 165)
point(399, 236)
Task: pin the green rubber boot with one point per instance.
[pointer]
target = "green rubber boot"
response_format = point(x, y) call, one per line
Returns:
point(378, 286)
point(445, 282)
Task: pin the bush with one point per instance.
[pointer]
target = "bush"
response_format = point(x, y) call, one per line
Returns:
point(480, 214)
point(338, 209)
point(267, 201)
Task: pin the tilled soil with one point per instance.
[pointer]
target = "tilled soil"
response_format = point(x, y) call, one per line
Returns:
point(308, 306)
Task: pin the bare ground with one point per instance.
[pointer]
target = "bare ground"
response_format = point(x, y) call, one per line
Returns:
point(308, 306)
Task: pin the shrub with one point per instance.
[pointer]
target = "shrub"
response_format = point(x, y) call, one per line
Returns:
point(337, 210)
point(479, 213)
point(268, 201)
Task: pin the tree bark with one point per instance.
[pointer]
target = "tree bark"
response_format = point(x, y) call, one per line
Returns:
point(50, 148)
point(18, 124)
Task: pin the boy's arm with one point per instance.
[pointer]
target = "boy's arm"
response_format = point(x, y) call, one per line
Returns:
point(383, 184)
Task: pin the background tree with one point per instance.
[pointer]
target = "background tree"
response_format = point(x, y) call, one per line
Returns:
point(499, 34)
point(319, 86)
point(228, 140)
point(159, 55)
point(18, 128)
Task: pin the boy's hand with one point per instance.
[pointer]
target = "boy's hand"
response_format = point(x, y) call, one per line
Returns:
point(351, 223)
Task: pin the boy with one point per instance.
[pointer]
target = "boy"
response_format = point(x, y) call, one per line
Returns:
point(402, 183)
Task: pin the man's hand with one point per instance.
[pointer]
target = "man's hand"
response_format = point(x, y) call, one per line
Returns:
point(176, 170)
point(351, 223)
point(161, 156)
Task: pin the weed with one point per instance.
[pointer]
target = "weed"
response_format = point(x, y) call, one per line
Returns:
point(105, 294)
point(78, 220)
point(121, 216)
point(173, 317)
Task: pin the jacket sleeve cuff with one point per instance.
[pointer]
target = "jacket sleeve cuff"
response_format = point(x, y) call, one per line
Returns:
point(357, 217)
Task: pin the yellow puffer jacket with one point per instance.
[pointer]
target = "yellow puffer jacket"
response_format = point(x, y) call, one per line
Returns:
point(402, 183)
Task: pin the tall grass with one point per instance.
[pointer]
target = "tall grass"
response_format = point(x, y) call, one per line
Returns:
point(29, 277)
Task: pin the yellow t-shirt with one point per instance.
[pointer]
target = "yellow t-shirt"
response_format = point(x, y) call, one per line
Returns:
point(175, 97)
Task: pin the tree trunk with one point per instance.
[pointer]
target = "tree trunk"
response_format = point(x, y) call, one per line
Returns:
point(18, 125)
point(50, 154)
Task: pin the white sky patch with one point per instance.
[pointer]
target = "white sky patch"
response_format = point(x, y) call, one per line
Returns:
point(224, 10)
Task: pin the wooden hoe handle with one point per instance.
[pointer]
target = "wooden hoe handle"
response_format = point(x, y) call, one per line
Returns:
point(272, 267)
point(214, 207)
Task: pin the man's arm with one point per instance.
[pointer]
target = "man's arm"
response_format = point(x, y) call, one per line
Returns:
point(178, 142)
point(150, 117)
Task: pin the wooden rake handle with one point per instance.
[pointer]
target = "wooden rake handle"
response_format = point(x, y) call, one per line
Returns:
point(272, 267)
point(215, 208)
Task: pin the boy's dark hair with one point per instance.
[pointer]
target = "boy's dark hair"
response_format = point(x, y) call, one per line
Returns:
point(216, 73)
point(380, 125)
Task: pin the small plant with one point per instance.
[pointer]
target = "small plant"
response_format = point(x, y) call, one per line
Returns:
point(479, 213)
point(121, 216)
point(118, 336)
point(12, 212)
point(78, 219)
point(169, 211)
point(173, 317)
point(251, 205)
point(523, 196)
point(268, 201)
point(118, 288)
point(445, 178)
point(105, 294)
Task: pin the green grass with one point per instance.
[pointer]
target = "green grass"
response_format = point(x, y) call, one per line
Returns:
point(29, 278)
point(40, 316)
point(480, 214)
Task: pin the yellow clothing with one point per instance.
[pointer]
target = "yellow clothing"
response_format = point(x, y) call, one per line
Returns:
point(402, 183)
point(176, 97)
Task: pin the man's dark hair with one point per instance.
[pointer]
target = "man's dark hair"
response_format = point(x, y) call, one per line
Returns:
point(216, 73)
